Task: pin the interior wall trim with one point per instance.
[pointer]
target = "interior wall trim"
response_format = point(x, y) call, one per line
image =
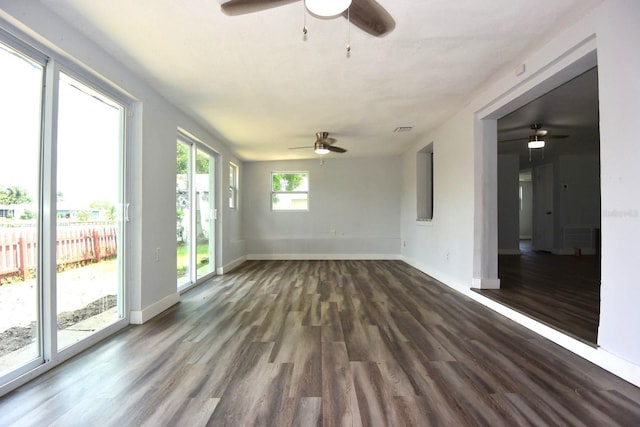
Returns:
point(138, 317)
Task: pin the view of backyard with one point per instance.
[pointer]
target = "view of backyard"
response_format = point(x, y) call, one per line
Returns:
point(61, 209)
point(202, 257)
point(87, 303)
point(86, 297)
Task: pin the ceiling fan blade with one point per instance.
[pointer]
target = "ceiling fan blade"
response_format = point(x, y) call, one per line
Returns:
point(328, 141)
point(241, 7)
point(514, 139)
point(298, 148)
point(552, 136)
point(336, 149)
point(370, 17)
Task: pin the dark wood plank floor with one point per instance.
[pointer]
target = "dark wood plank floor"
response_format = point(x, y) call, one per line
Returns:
point(279, 343)
point(561, 291)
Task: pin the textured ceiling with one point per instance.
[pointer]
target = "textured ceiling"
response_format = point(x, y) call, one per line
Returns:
point(261, 89)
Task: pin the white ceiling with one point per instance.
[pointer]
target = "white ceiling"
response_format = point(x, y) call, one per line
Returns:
point(254, 82)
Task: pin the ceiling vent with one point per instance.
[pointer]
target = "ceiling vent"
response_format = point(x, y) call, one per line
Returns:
point(403, 129)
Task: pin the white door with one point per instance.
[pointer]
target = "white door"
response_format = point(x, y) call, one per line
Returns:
point(543, 208)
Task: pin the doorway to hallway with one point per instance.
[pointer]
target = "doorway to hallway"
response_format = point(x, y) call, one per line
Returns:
point(560, 291)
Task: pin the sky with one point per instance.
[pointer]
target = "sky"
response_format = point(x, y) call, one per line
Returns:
point(89, 135)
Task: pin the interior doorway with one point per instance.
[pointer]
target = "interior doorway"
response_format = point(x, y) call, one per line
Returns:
point(555, 276)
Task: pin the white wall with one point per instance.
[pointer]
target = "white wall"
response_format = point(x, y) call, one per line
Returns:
point(151, 284)
point(577, 190)
point(442, 247)
point(463, 204)
point(359, 199)
point(619, 91)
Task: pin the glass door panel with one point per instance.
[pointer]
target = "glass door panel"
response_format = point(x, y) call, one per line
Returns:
point(89, 197)
point(183, 213)
point(21, 83)
point(195, 212)
point(205, 220)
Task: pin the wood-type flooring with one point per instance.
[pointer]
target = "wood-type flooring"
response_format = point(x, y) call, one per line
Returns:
point(332, 343)
point(562, 291)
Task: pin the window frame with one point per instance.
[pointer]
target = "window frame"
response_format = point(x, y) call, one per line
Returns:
point(233, 185)
point(425, 184)
point(292, 192)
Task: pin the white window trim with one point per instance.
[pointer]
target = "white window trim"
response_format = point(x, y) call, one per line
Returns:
point(272, 192)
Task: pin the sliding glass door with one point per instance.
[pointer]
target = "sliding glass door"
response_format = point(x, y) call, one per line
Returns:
point(20, 109)
point(89, 194)
point(62, 146)
point(195, 212)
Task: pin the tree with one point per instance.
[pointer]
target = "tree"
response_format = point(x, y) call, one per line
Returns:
point(182, 160)
point(286, 181)
point(106, 207)
point(27, 214)
point(84, 215)
point(14, 196)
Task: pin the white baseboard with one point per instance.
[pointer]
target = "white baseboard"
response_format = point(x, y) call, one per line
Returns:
point(563, 252)
point(586, 251)
point(315, 257)
point(484, 283)
point(138, 317)
point(230, 266)
point(509, 252)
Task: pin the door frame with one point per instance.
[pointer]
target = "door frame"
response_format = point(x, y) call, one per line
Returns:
point(543, 208)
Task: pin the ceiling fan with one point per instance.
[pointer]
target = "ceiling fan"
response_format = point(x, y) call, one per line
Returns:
point(537, 138)
point(323, 144)
point(368, 15)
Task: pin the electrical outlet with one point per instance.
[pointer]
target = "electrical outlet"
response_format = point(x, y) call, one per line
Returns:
point(332, 232)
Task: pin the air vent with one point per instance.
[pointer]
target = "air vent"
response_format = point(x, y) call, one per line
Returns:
point(403, 129)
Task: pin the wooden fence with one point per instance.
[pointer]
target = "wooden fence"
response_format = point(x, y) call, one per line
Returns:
point(74, 245)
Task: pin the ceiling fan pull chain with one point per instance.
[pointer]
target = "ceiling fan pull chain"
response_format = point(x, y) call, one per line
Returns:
point(348, 32)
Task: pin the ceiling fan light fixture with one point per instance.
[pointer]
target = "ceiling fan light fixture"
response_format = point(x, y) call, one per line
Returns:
point(320, 148)
point(535, 142)
point(327, 8)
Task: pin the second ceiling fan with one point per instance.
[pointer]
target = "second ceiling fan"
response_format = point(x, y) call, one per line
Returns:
point(538, 136)
point(368, 15)
point(323, 144)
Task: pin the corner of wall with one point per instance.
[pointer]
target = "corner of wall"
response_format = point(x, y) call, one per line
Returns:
point(138, 317)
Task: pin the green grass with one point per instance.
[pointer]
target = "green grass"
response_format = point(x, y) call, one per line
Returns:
point(182, 253)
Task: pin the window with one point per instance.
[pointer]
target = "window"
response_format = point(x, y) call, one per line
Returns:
point(424, 184)
point(233, 185)
point(290, 191)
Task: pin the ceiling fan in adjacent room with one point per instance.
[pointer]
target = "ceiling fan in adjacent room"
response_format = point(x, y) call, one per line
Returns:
point(323, 144)
point(538, 138)
point(368, 15)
